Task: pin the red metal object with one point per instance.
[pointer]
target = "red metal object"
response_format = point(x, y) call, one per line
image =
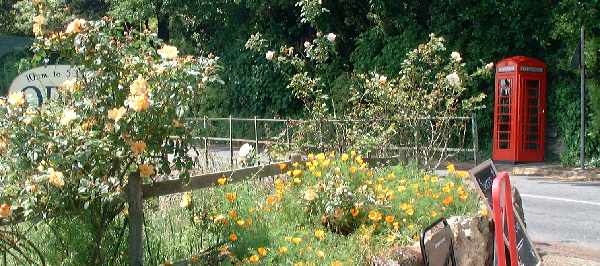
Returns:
point(519, 110)
point(503, 213)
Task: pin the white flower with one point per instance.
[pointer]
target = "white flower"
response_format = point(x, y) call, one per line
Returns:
point(453, 79)
point(456, 56)
point(307, 44)
point(168, 52)
point(270, 55)
point(489, 66)
point(68, 116)
point(331, 37)
point(245, 150)
point(382, 80)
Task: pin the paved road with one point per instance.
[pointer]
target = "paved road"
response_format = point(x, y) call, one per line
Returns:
point(561, 212)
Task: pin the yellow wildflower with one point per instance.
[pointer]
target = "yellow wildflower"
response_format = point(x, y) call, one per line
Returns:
point(401, 188)
point(231, 196)
point(337, 263)
point(296, 172)
point(375, 216)
point(448, 200)
point(220, 219)
point(353, 169)
point(186, 200)
point(483, 211)
point(56, 178)
point(320, 254)
point(297, 180)
point(320, 157)
point(326, 162)
point(296, 240)
point(254, 259)
point(116, 113)
point(451, 169)
point(354, 212)
point(344, 157)
point(434, 214)
point(389, 219)
point(310, 195)
point(222, 180)
point(232, 214)
point(241, 222)
point(168, 52)
point(320, 234)
point(282, 166)
point(434, 179)
point(262, 251)
point(283, 250)
point(138, 147)
point(146, 170)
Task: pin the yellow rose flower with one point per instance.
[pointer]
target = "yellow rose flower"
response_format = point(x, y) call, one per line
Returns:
point(168, 52)
point(5, 210)
point(76, 26)
point(39, 19)
point(296, 240)
point(116, 114)
point(139, 86)
point(139, 103)
point(56, 178)
point(138, 147)
point(146, 170)
point(37, 29)
point(186, 200)
point(16, 98)
point(296, 172)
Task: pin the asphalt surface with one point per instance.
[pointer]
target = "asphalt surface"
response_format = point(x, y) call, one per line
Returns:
point(561, 213)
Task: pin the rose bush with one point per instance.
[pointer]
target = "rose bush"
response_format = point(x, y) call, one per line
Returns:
point(121, 115)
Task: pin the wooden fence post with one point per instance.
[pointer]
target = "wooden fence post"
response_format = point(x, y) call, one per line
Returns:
point(475, 137)
point(136, 219)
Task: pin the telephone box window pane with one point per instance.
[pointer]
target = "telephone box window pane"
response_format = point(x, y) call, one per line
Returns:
point(504, 118)
point(504, 145)
point(504, 127)
point(531, 146)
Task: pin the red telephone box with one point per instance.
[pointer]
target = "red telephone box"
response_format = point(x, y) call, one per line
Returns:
point(519, 110)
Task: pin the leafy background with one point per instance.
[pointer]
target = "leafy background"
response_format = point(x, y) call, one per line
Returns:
point(372, 35)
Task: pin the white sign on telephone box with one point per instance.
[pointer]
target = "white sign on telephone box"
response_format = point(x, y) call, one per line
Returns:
point(41, 83)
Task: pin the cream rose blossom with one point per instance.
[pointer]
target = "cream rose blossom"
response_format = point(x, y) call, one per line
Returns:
point(168, 52)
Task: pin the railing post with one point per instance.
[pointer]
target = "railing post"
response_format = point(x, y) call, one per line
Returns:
point(136, 219)
point(205, 141)
point(230, 142)
point(287, 137)
point(475, 137)
point(256, 137)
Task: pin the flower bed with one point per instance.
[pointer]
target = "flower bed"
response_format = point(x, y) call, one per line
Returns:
point(328, 211)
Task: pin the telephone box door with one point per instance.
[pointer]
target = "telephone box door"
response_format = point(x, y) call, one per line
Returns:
point(531, 139)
